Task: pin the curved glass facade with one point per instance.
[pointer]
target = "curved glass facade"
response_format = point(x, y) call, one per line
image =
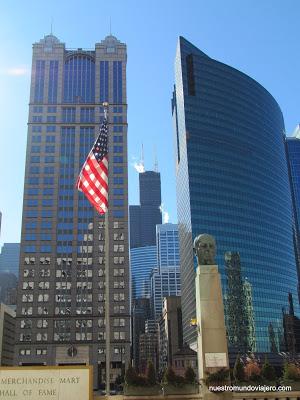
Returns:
point(232, 182)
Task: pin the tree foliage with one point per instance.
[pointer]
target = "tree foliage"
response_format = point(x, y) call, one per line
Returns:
point(291, 372)
point(252, 370)
point(190, 375)
point(268, 371)
point(238, 370)
point(151, 376)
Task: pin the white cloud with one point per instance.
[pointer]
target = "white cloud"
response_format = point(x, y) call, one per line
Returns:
point(165, 214)
point(15, 71)
point(139, 167)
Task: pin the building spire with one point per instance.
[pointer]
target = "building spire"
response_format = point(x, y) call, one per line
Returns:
point(142, 158)
point(155, 160)
point(51, 27)
point(110, 26)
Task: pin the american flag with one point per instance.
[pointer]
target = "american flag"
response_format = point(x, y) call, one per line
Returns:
point(93, 177)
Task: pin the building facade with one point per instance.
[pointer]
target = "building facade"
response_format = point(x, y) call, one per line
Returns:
point(163, 282)
point(60, 310)
point(167, 245)
point(140, 313)
point(7, 335)
point(165, 278)
point(142, 262)
point(145, 216)
point(232, 183)
point(9, 258)
point(170, 331)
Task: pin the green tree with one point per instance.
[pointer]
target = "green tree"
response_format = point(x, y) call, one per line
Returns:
point(130, 375)
point(291, 372)
point(268, 371)
point(238, 370)
point(189, 375)
point(151, 376)
point(170, 376)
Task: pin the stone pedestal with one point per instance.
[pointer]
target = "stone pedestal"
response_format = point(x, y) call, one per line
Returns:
point(212, 342)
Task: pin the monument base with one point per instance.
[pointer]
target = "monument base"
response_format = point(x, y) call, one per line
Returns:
point(212, 342)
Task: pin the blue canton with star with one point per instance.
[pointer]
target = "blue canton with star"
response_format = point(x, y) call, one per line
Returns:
point(100, 148)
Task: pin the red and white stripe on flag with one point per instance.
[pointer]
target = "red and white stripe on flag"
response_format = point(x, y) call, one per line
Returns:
point(93, 182)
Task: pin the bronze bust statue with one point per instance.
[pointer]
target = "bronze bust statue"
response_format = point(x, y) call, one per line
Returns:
point(205, 249)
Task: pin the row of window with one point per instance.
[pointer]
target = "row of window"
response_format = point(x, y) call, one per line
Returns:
point(65, 310)
point(53, 109)
point(119, 202)
point(51, 159)
point(43, 337)
point(88, 213)
point(51, 139)
point(43, 351)
point(87, 115)
point(51, 149)
point(118, 272)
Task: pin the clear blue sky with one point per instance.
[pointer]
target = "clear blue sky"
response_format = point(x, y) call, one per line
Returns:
point(258, 37)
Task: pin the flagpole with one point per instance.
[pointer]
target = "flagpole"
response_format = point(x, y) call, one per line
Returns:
point(107, 313)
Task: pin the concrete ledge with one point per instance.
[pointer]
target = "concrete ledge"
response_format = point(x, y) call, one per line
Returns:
point(236, 396)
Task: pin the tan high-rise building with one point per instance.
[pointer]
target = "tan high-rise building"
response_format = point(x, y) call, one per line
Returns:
point(61, 297)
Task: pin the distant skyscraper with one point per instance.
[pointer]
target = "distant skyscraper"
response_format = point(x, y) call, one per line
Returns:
point(163, 282)
point(232, 183)
point(9, 258)
point(170, 328)
point(239, 319)
point(145, 217)
point(62, 264)
point(140, 313)
point(167, 245)
point(165, 279)
point(142, 262)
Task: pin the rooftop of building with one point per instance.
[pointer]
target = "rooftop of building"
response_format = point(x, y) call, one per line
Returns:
point(185, 350)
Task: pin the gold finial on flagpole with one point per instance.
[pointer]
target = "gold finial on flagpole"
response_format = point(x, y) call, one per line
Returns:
point(105, 105)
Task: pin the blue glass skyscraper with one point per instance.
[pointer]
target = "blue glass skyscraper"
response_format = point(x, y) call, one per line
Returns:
point(142, 261)
point(9, 258)
point(167, 245)
point(232, 182)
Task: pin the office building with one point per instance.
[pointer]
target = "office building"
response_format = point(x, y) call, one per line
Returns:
point(145, 216)
point(7, 335)
point(140, 313)
point(148, 347)
point(167, 245)
point(164, 282)
point(170, 331)
point(142, 262)
point(232, 183)
point(8, 288)
point(165, 278)
point(61, 300)
point(9, 258)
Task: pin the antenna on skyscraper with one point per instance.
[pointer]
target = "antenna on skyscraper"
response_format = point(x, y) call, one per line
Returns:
point(51, 31)
point(110, 26)
point(142, 158)
point(155, 160)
